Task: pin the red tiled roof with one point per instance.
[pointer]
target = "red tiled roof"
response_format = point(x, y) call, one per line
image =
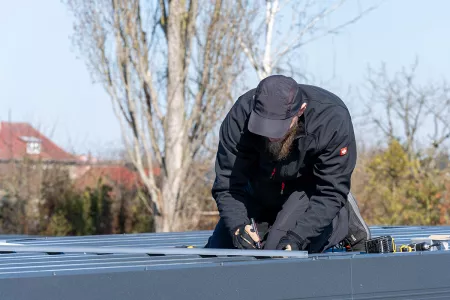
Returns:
point(13, 146)
point(116, 174)
point(88, 176)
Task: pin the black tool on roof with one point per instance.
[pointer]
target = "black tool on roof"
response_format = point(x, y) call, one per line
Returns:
point(382, 244)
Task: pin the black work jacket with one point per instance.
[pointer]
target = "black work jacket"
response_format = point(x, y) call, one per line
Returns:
point(321, 163)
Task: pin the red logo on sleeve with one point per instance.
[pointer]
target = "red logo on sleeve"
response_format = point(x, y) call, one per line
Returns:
point(343, 151)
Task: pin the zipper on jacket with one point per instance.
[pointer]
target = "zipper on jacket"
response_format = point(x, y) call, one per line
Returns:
point(273, 173)
point(283, 185)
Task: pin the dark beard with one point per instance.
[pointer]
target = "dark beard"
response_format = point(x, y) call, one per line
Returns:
point(279, 150)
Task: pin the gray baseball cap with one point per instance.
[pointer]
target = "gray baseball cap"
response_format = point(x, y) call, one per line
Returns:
point(277, 101)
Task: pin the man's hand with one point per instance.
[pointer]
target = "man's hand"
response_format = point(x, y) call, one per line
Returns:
point(245, 237)
point(290, 243)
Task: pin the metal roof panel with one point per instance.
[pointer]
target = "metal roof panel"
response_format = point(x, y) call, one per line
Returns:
point(139, 276)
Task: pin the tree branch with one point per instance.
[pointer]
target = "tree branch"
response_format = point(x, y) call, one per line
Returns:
point(295, 42)
point(164, 18)
point(335, 30)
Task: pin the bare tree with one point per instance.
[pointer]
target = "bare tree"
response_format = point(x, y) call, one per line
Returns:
point(269, 47)
point(169, 68)
point(416, 115)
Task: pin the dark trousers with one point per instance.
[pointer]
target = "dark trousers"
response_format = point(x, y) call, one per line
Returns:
point(285, 219)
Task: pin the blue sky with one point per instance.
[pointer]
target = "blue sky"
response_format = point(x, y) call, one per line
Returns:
point(43, 82)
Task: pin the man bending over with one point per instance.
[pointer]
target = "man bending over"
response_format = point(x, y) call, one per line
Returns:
point(286, 155)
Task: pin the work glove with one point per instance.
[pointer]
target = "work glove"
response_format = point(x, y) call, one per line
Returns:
point(291, 242)
point(245, 237)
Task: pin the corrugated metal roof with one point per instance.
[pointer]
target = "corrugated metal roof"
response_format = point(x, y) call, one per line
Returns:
point(42, 265)
point(22, 264)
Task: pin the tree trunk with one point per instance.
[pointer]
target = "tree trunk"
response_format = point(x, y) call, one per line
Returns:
point(162, 224)
point(271, 10)
point(174, 128)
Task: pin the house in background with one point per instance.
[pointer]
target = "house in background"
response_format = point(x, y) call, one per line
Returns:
point(38, 177)
point(24, 154)
point(19, 141)
point(113, 175)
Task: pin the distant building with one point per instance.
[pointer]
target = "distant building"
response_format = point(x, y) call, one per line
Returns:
point(115, 175)
point(19, 141)
point(110, 174)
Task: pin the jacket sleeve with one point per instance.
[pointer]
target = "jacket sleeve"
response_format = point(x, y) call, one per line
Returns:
point(332, 170)
point(233, 160)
